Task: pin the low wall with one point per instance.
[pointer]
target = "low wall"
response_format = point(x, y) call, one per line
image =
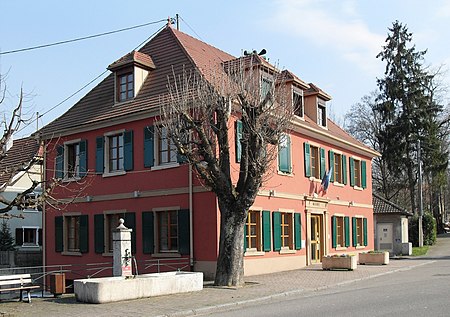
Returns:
point(113, 289)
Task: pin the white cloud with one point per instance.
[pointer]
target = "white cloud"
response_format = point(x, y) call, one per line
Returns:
point(336, 28)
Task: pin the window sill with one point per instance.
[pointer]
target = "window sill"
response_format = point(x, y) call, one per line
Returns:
point(166, 255)
point(73, 253)
point(120, 103)
point(71, 179)
point(339, 248)
point(313, 179)
point(337, 184)
point(358, 188)
point(360, 247)
point(164, 166)
point(289, 174)
point(111, 174)
point(253, 252)
point(30, 210)
point(287, 251)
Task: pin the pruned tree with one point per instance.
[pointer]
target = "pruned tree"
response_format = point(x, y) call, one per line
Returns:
point(198, 114)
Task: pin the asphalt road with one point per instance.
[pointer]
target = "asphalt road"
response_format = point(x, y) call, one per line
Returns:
point(422, 291)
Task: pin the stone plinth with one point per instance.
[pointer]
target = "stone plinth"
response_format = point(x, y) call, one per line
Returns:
point(339, 262)
point(379, 258)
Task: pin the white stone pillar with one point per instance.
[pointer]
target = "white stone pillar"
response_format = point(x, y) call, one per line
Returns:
point(122, 250)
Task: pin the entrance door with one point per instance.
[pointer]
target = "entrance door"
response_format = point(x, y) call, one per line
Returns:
point(316, 234)
point(385, 236)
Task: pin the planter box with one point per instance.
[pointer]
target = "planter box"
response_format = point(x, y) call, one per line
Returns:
point(339, 263)
point(374, 258)
point(113, 289)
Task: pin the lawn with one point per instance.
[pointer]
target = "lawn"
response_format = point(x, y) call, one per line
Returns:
point(416, 251)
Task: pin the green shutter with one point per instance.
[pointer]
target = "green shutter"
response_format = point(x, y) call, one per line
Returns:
point(83, 168)
point(298, 231)
point(307, 151)
point(355, 234)
point(334, 229)
point(347, 230)
point(128, 150)
point(284, 156)
point(99, 233)
point(148, 232)
point(238, 140)
point(130, 223)
point(365, 231)
point(289, 164)
point(344, 169)
point(331, 161)
point(149, 144)
point(276, 231)
point(59, 162)
point(84, 234)
point(322, 162)
point(99, 155)
point(267, 245)
point(183, 232)
point(59, 224)
point(352, 171)
point(363, 174)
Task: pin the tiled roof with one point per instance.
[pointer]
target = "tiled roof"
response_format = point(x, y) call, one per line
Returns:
point(133, 57)
point(383, 206)
point(21, 153)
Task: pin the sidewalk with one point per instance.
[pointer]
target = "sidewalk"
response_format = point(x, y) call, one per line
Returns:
point(262, 288)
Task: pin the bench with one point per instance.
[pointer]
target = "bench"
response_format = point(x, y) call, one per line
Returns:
point(17, 282)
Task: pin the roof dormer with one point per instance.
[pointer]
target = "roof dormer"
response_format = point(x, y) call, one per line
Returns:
point(315, 105)
point(130, 72)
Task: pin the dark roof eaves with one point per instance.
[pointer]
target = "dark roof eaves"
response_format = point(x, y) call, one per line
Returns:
point(400, 209)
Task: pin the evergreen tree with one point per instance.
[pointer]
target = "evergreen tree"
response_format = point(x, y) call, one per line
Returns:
point(6, 239)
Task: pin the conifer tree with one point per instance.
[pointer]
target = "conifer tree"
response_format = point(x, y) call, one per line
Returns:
point(6, 239)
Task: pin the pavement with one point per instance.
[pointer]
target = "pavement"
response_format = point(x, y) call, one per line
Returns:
point(258, 289)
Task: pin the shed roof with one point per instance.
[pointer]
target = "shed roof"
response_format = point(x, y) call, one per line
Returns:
point(383, 206)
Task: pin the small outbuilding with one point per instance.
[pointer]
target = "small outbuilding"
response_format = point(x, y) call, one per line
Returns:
point(390, 226)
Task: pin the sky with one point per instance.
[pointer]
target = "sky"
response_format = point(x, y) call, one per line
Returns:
point(332, 44)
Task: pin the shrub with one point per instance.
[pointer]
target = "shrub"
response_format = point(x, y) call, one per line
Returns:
point(429, 229)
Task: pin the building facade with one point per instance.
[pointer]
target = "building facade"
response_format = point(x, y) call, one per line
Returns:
point(110, 139)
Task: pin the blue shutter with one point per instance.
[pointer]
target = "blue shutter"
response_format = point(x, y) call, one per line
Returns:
point(298, 231)
point(183, 232)
point(82, 168)
point(128, 150)
point(322, 162)
point(238, 140)
point(331, 161)
point(276, 231)
point(59, 234)
point(344, 169)
point(99, 233)
point(307, 151)
point(363, 174)
point(59, 162)
point(148, 237)
point(149, 153)
point(99, 155)
point(352, 171)
point(266, 230)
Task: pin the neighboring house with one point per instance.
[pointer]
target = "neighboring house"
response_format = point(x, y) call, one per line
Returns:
point(390, 226)
point(109, 137)
point(25, 222)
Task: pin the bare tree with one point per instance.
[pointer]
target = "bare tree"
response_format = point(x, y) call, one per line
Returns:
point(198, 114)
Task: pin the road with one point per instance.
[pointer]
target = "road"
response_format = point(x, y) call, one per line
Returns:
point(421, 291)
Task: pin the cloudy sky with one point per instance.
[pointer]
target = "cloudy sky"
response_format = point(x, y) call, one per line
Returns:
point(330, 43)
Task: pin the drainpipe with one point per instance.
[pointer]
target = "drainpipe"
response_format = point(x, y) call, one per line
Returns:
point(191, 233)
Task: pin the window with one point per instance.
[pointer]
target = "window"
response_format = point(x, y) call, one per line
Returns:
point(30, 203)
point(71, 160)
point(125, 87)
point(253, 230)
point(167, 151)
point(286, 231)
point(284, 154)
point(321, 115)
point(297, 102)
point(111, 223)
point(358, 177)
point(341, 233)
point(314, 161)
point(266, 86)
point(104, 225)
point(28, 237)
point(114, 153)
point(359, 231)
point(339, 164)
point(71, 233)
point(167, 231)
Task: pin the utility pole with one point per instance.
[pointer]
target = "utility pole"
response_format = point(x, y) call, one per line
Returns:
point(178, 23)
point(419, 158)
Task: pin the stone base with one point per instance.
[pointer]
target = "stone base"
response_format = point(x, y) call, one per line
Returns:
point(113, 289)
point(381, 258)
point(341, 263)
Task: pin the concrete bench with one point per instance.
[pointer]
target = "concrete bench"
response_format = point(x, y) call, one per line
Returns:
point(17, 282)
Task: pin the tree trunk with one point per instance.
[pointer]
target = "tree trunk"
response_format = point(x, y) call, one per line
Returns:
point(230, 263)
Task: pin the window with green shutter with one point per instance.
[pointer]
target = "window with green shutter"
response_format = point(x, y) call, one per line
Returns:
point(284, 154)
point(306, 151)
point(358, 171)
point(358, 231)
point(331, 165)
point(322, 163)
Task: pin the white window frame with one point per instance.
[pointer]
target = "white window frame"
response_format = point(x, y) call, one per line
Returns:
point(66, 161)
point(106, 137)
point(30, 245)
point(299, 92)
point(324, 120)
point(158, 165)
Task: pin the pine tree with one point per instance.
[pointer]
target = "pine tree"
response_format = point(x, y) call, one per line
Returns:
point(6, 239)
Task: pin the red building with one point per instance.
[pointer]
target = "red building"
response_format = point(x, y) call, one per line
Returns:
point(108, 140)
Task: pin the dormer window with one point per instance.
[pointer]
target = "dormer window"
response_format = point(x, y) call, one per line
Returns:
point(322, 115)
point(125, 87)
point(297, 103)
point(266, 86)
